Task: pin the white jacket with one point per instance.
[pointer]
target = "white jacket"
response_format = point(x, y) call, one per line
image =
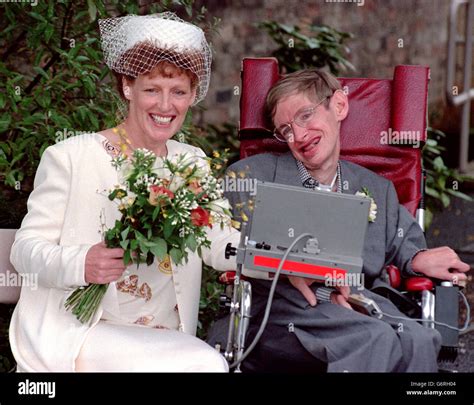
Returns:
point(63, 222)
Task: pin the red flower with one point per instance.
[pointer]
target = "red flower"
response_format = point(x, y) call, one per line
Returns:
point(200, 217)
point(195, 187)
point(158, 191)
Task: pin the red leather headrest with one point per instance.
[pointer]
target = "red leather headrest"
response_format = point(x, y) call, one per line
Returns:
point(379, 109)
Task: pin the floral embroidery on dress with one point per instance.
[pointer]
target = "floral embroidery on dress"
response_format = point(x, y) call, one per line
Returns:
point(110, 148)
point(165, 265)
point(146, 320)
point(145, 291)
point(129, 285)
point(160, 327)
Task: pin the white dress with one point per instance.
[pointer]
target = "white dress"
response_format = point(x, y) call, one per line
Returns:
point(140, 324)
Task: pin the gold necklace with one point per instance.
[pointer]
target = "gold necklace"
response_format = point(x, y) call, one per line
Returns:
point(124, 142)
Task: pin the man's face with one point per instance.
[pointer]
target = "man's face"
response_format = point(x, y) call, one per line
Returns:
point(316, 146)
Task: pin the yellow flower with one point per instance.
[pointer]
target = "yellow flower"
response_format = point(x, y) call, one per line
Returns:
point(245, 218)
point(235, 224)
point(216, 154)
point(120, 194)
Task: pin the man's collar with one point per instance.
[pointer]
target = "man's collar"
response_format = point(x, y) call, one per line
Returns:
point(307, 180)
point(286, 172)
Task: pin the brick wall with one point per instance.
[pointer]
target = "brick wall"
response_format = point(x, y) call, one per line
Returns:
point(377, 25)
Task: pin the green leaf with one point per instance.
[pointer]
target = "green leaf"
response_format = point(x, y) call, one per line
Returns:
point(176, 255)
point(124, 244)
point(459, 194)
point(159, 248)
point(92, 8)
point(5, 121)
point(41, 71)
point(191, 242)
point(432, 192)
point(445, 200)
point(48, 33)
point(167, 228)
point(44, 99)
point(37, 16)
point(3, 100)
point(124, 233)
point(156, 211)
point(127, 257)
point(439, 164)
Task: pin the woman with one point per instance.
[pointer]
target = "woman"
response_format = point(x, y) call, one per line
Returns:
point(163, 66)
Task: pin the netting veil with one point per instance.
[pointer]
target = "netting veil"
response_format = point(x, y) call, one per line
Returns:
point(134, 45)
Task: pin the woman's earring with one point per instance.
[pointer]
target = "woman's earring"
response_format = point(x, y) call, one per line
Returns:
point(126, 91)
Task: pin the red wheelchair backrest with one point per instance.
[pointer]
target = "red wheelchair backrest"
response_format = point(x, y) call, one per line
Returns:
point(378, 109)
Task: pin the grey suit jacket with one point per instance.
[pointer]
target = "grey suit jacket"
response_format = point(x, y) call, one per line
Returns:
point(393, 238)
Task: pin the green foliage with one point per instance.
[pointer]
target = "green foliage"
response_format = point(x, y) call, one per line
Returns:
point(442, 182)
point(321, 46)
point(54, 85)
point(57, 86)
point(209, 300)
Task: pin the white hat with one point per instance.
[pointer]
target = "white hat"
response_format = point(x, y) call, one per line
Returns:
point(134, 45)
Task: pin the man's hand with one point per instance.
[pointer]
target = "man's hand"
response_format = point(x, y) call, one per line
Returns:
point(442, 263)
point(302, 285)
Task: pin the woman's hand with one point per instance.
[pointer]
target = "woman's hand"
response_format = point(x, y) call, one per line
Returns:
point(302, 285)
point(103, 265)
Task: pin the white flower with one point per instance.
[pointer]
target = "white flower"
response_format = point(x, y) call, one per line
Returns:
point(176, 183)
point(219, 205)
point(160, 170)
point(125, 170)
point(373, 207)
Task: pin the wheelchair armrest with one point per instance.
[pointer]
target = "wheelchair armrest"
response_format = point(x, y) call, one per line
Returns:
point(411, 284)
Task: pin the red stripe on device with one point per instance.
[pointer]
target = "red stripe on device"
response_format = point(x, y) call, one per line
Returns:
point(298, 267)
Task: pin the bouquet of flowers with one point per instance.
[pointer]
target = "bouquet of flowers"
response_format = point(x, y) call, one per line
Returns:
point(166, 206)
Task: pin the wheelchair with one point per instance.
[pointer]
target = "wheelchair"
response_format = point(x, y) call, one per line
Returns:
point(398, 105)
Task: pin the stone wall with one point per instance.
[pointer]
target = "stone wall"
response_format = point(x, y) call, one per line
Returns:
point(377, 26)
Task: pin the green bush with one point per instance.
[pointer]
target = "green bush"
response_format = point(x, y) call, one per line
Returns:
point(54, 85)
point(301, 47)
point(442, 182)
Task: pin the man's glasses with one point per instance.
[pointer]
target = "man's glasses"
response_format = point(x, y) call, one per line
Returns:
point(302, 118)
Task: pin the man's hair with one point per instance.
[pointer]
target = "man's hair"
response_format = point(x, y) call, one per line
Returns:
point(316, 84)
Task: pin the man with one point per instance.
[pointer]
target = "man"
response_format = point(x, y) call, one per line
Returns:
point(310, 326)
